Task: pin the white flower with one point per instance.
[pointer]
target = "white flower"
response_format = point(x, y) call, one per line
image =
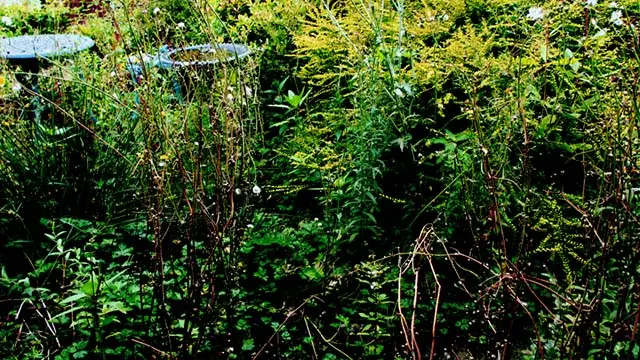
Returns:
point(238, 191)
point(249, 226)
point(591, 2)
point(248, 91)
point(16, 87)
point(230, 97)
point(7, 20)
point(616, 17)
point(162, 164)
point(398, 93)
point(113, 74)
point(156, 11)
point(445, 17)
point(256, 190)
point(535, 13)
point(180, 25)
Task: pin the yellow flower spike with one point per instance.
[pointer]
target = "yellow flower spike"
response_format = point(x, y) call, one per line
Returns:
point(3, 80)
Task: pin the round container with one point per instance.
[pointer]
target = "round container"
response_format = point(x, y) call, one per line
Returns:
point(192, 66)
point(203, 55)
point(33, 47)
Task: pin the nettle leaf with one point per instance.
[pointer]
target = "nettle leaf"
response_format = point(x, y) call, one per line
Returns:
point(90, 287)
point(313, 273)
point(114, 306)
point(80, 354)
point(247, 345)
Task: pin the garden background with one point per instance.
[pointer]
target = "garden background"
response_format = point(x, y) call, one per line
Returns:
point(404, 179)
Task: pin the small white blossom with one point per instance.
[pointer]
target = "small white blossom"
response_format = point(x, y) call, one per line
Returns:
point(249, 226)
point(180, 25)
point(156, 11)
point(591, 2)
point(248, 91)
point(238, 191)
point(256, 190)
point(16, 87)
point(445, 17)
point(113, 74)
point(535, 13)
point(7, 20)
point(230, 97)
point(162, 164)
point(616, 18)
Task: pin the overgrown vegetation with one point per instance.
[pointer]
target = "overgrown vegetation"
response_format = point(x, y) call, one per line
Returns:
point(378, 180)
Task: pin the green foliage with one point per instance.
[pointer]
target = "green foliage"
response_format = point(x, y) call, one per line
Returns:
point(402, 180)
point(27, 18)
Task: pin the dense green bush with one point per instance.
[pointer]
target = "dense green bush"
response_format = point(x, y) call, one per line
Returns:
point(383, 180)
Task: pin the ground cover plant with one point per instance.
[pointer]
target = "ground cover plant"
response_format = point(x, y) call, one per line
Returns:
point(401, 179)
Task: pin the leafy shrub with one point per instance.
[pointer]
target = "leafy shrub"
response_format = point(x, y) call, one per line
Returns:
point(379, 180)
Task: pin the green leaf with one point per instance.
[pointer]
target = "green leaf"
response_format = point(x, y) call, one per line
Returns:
point(247, 345)
point(568, 54)
point(313, 273)
point(544, 52)
point(73, 309)
point(73, 298)
point(90, 287)
point(575, 65)
point(80, 354)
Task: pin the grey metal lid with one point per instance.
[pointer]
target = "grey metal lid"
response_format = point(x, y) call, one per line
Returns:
point(29, 47)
